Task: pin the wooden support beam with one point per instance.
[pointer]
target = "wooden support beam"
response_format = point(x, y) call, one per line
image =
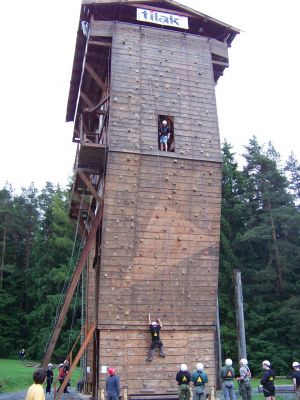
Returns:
point(100, 43)
point(95, 76)
point(72, 286)
point(220, 63)
point(85, 98)
point(89, 185)
point(76, 360)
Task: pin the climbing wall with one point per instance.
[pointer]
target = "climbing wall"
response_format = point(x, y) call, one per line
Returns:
point(160, 238)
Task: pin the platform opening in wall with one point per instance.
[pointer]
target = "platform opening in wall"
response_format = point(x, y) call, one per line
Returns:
point(166, 140)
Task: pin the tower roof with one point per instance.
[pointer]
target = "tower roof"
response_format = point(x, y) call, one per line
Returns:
point(126, 11)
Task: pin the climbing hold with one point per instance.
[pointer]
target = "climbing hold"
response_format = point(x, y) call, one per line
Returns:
point(194, 189)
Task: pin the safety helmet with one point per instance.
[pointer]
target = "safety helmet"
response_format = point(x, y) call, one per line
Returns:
point(61, 365)
point(50, 365)
point(228, 362)
point(183, 367)
point(296, 364)
point(199, 367)
point(111, 371)
point(164, 122)
point(244, 362)
point(154, 323)
point(266, 362)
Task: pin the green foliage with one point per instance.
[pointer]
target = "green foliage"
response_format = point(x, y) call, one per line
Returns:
point(260, 237)
point(37, 265)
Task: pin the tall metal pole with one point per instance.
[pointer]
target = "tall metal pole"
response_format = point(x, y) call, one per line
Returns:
point(239, 307)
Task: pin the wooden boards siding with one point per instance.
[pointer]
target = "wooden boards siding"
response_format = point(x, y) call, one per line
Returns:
point(161, 221)
point(160, 249)
point(126, 349)
point(159, 72)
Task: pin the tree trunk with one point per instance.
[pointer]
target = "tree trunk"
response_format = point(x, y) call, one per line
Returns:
point(3, 252)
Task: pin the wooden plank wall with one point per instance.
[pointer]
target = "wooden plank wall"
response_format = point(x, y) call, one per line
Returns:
point(159, 256)
point(160, 240)
point(160, 72)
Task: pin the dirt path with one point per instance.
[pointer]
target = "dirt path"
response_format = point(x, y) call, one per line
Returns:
point(22, 394)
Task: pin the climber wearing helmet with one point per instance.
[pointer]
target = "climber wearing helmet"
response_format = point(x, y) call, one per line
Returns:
point(227, 376)
point(296, 379)
point(199, 378)
point(183, 377)
point(267, 381)
point(112, 385)
point(155, 327)
point(164, 136)
point(244, 380)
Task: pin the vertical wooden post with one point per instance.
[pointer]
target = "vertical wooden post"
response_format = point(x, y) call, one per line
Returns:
point(3, 252)
point(219, 347)
point(125, 394)
point(240, 315)
point(102, 394)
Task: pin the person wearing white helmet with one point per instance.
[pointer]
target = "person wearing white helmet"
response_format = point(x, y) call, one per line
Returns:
point(155, 327)
point(183, 378)
point(245, 380)
point(199, 379)
point(227, 375)
point(267, 381)
point(296, 379)
point(164, 136)
point(49, 377)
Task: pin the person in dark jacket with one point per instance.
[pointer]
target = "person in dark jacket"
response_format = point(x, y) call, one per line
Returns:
point(155, 339)
point(183, 377)
point(267, 381)
point(112, 385)
point(296, 379)
point(49, 375)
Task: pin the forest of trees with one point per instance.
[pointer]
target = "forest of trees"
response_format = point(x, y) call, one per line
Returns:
point(260, 236)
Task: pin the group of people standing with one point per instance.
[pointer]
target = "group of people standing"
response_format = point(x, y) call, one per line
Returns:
point(267, 380)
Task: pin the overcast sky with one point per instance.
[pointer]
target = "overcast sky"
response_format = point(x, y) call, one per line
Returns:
point(258, 94)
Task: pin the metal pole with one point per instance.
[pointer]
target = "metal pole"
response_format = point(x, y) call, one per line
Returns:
point(242, 350)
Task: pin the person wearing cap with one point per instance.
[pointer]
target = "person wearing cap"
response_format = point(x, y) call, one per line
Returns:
point(183, 378)
point(245, 380)
point(296, 379)
point(227, 375)
point(112, 385)
point(199, 379)
point(155, 327)
point(49, 375)
point(164, 136)
point(267, 380)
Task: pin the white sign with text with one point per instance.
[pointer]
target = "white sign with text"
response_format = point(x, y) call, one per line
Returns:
point(160, 18)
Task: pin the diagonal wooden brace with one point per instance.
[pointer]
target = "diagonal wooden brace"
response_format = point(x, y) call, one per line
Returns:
point(75, 362)
point(72, 286)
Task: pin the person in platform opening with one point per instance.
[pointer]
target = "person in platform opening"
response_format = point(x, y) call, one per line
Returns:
point(227, 376)
point(112, 385)
point(164, 136)
point(155, 327)
point(267, 381)
point(183, 377)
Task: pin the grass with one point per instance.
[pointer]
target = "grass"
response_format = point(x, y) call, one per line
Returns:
point(16, 375)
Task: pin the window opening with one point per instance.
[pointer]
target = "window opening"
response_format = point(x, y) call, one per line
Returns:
point(166, 140)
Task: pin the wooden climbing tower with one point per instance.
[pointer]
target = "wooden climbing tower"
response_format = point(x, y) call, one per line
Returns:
point(151, 218)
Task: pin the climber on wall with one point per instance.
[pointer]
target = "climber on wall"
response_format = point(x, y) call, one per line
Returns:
point(155, 327)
